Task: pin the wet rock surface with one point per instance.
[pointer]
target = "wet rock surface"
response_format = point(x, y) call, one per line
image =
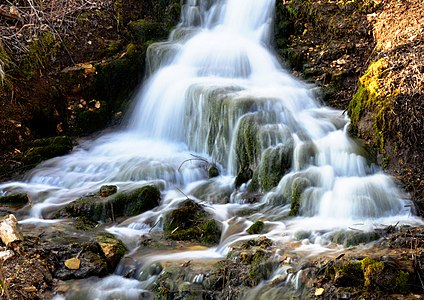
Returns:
point(47, 255)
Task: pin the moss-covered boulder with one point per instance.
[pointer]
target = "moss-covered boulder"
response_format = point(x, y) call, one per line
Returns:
point(349, 238)
point(369, 98)
point(384, 276)
point(123, 204)
point(145, 30)
point(299, 184)
point(136, 202)
point(190, 222)
point(14, 200)
point(275, 162)
point(43, 149)
point(369, 276)
point(256, 228)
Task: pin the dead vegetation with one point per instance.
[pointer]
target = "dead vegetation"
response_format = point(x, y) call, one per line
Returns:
point(398, 30)
point(24, 21)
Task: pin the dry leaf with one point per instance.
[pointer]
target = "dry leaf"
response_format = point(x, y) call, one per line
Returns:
point(319, 291)
point(73, 263)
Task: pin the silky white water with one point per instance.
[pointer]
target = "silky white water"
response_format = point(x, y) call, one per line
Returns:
point(213, 78)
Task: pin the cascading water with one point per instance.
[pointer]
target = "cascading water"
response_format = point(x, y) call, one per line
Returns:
point(216, 90)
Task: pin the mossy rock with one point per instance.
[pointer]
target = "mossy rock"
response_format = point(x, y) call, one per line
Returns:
point(275, 162)
point(256, 227)
point(136, 202)
point(92, 261)
point(113, 248)
point(261, 267)
point(213, 171)
point(190, 222)
point(124, 204)
point(243, 176)
point(144, 30)
point(107, 190)
point(369, 275)
point(299, 184)
point(91, 207)
point(84, 223)
point(43, 149)
point(349, 274)
point(349, 238)
point(385, 277)
point(370, 98)
point(14, 200)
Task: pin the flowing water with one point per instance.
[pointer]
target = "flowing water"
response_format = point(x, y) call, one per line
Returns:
point(216, 90)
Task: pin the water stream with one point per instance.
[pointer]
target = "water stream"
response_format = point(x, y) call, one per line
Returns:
point(216, 90)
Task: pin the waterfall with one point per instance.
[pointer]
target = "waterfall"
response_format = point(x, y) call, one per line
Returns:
point(216, 90)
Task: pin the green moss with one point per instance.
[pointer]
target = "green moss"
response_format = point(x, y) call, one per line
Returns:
point(14, 199)
point(42, 50)
point(85, 206)
point(43, 149)
point(144, 30)
point(384, 277)
point(256, 227)
point(190, 222)
point(371, 269)
point(109, 238)
point(370, 98)
point(83, 17)
point(275, 162)
point(113, 48)
point(117, 5)
point(402, 281)
point(349, 274)
point(351, 238)
point(84, 223)
point(125, 204)
point(107, 190)
point(298, 186)
point(260, 267)
point(253, 185)
point(135, 202)
point(210, 233)
point(213, 171)
point(385, 162)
